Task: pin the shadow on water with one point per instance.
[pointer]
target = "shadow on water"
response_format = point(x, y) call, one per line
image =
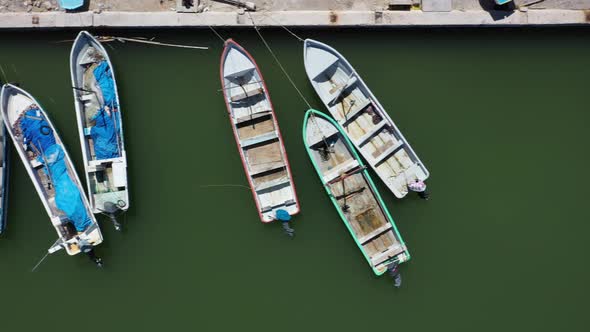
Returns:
point(497, 12)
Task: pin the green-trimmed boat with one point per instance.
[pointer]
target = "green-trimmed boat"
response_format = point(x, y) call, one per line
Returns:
point(352, 192)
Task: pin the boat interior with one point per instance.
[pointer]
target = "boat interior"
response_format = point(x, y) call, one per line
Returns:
point(107, 178)
point(258, 135)
point(15, 105)
point(350, 104)
point(349, 185)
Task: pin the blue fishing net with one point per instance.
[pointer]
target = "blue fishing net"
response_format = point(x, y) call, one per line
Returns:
point(104, 78)
point(40, 139)
point(104, 135)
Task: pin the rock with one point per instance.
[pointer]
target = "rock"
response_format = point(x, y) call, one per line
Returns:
point(37, 4)
point(2, 8)
point(29, 8)
point(47, 5)
point(26, 3)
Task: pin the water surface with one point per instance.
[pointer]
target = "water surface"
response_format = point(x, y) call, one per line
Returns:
point(499, 117)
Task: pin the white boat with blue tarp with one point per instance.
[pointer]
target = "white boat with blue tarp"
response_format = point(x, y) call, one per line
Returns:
point(98, 114)
point(51, 170)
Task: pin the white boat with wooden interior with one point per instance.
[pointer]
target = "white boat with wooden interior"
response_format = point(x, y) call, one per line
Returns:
point(257, 133)
point(353, 193)
point(51, 170)
point(365, 121)
point(100, 126)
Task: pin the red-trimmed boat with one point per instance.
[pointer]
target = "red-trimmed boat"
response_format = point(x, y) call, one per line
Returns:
point(257, 134)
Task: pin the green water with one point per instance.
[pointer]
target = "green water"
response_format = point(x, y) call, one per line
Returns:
point(499, 117)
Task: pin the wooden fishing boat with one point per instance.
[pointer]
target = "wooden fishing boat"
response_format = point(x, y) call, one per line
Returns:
point(4, 171)
point(257, 133)
point(352, 192)
point(98, 113)
point(366, 123)
point(51, 170)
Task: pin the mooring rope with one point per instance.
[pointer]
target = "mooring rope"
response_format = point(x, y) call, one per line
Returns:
point(4, 77)
point(217, 34)
point(313, 119)
point(284, 27)
point(278, 62)
point(41, 261)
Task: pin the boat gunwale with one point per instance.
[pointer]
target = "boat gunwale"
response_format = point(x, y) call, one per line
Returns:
point(228, 44)
point(372, 187)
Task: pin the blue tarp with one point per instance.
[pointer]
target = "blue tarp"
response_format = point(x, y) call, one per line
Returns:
point(105, 131)
point(104, 77)
point(104, 135)
point(40, 139)
point(71, 4)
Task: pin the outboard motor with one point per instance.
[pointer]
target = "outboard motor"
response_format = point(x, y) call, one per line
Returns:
point(393, 270)
point(86, 248)
point(110, 209)
point(284, 217)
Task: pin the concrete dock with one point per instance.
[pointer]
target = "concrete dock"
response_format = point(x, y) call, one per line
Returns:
point(304, 13)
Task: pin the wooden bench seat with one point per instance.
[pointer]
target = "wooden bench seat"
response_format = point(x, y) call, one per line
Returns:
point(272, 184)
point(358, 108)
point(252, 116)
point(271, 168)
point(339, 170)
point(383, 256)
point(368, 135)
point(258, 139)
point(381, 158)
point(285, 203)
point(378, 231)
point(103, 161)
point(247, 94)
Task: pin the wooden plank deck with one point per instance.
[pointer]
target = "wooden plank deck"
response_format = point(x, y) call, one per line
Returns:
point(353, 193)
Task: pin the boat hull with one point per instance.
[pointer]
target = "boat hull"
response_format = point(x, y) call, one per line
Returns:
point(353, 192)
point(50, 168)
point(368, 126)
point(257, 134)
point(100, 125)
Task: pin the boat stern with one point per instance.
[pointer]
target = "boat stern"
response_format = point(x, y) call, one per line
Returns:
point(400, 258)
